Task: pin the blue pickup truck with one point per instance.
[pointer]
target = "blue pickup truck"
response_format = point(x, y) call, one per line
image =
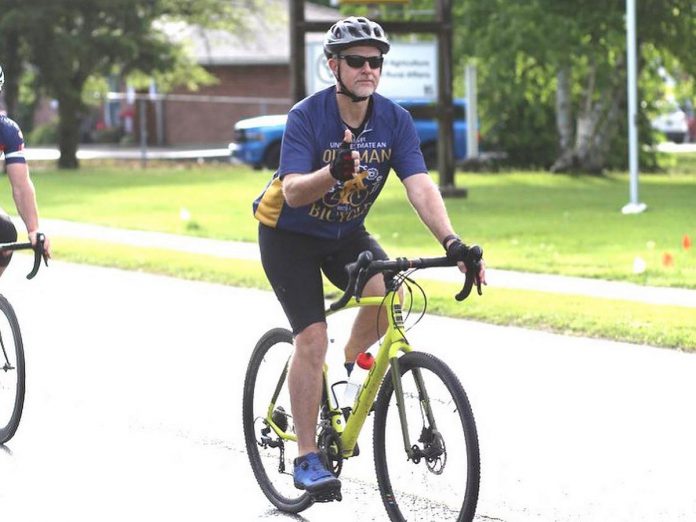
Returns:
point(257, 140)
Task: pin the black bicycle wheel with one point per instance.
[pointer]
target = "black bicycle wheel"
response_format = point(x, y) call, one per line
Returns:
point(441, 482)
point(11, 372)
point(271, 458)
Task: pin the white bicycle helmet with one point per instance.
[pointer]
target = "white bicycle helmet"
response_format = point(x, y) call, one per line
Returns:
point(356, 30)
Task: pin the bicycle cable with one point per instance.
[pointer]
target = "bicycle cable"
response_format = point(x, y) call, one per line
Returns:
point(402, 279)
point(405, 279)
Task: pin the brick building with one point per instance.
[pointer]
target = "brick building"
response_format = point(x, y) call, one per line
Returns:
point(253, 70)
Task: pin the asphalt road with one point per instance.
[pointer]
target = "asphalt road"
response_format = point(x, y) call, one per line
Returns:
point(133, 410)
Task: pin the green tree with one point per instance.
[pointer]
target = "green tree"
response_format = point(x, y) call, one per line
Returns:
point(12, 56)
point(70, 41)
point(553, 74)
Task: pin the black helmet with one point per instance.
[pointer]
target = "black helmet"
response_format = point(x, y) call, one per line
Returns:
point(356, 30)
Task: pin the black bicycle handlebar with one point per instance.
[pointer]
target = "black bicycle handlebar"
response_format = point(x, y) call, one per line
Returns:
point(361, 270)
point(38, 248)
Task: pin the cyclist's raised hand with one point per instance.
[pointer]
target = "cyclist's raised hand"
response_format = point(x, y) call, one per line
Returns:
point(346, 163)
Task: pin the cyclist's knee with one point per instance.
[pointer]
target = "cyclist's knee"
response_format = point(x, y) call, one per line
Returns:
point(8, 234)
point(312, 342)
point(375, 287)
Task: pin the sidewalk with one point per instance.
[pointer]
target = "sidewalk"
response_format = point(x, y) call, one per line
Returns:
point(498, 278)
point(89, 152)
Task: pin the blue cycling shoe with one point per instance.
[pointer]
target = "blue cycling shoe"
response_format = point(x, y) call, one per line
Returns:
point(310, 474)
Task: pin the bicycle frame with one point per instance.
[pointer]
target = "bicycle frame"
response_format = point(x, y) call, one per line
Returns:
point(393, 343)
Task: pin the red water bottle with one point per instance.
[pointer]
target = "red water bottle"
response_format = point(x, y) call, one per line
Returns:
point(363, 363)
point(365, 360)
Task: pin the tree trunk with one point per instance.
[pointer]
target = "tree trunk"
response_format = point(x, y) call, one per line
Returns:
point(606, 129)
point(564, 109)
point(596, 126)
point(564, 118)
point(12, 66)
point(69, 110)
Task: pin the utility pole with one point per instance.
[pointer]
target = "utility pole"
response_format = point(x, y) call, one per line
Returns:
point(633, 206)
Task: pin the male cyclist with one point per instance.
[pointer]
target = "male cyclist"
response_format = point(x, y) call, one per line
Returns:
point(338, 147)
point(12, 145)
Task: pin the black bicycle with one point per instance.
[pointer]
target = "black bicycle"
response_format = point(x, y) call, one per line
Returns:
point(12, 372)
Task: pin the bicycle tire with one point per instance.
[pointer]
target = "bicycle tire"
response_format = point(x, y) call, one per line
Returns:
point(440, 381)
point(263, 373)
point(12, 380)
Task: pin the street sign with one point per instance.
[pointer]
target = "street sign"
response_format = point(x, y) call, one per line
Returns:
point(409, 71)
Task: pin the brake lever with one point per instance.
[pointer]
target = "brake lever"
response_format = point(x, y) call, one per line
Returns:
point(473, 268)
point(39, 253)
point(360, 283)
point(468, 286)
point(355, 270)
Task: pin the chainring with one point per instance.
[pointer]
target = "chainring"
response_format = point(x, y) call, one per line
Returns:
point(330, 446)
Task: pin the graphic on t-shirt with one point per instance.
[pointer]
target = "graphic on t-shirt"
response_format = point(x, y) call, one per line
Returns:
point(354, 189)
point(312, 139)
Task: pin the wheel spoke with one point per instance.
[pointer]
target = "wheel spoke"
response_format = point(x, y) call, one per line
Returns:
point(271, 456)
point(12, 374)
point(440, 480)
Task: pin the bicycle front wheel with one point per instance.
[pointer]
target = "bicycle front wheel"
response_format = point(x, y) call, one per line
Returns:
point(439, 480)
point(271, 456)
point(11, 372)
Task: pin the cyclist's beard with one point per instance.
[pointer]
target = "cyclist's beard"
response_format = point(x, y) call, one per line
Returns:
point(359, 93)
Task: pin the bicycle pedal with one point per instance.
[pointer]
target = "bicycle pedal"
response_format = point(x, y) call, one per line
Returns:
point(327, 495)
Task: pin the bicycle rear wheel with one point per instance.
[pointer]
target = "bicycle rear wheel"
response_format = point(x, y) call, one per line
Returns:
point(271, 457)
point(11, 372)
point(441, 480)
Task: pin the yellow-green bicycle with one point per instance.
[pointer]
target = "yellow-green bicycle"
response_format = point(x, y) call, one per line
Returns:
point(425, 442)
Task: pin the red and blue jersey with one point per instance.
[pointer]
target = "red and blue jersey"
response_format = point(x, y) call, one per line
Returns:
point(11, 141)
point(312, 137)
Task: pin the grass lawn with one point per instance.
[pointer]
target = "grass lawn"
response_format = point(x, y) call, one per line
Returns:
point(533, 222)
point(668, 326)
point(527, 221)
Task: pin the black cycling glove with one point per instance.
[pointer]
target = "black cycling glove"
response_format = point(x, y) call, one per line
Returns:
point(343, 166)
point(457, 251)
point(471, 256)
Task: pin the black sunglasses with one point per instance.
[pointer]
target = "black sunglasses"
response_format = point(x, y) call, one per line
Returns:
point(356, 61)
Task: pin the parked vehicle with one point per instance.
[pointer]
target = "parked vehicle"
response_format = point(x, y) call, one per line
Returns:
point(673, 124)
point(257, 140)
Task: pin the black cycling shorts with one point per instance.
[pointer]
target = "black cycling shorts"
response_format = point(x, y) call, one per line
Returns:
point(294, 263)
point(8, 234)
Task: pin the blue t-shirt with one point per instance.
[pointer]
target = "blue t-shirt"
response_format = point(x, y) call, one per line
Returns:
point(312, 137)
point(11, 141)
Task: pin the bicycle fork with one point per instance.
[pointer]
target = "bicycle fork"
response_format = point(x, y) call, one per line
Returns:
point(429, 431)
point(6, 366)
